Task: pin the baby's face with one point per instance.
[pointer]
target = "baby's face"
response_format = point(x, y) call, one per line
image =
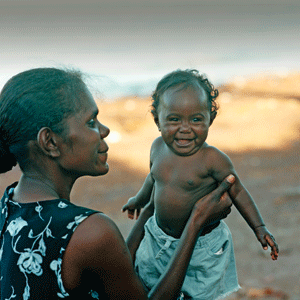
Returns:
point(184, 119)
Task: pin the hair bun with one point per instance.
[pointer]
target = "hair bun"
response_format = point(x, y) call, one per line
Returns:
point(3, 148)
point(8, 160)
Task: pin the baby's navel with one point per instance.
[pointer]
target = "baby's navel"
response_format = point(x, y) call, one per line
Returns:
point(190, 182)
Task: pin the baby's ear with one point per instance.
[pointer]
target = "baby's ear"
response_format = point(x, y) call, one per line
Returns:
point(212, 117)
point(47, 140)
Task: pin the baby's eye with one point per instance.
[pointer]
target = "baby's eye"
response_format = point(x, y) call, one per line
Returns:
point(197, 119)
point(173, 119)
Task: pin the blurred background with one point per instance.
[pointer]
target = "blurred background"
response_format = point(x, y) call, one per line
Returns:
point(249, 50)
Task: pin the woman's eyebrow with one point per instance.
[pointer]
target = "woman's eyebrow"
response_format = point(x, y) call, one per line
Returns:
point(95, 113)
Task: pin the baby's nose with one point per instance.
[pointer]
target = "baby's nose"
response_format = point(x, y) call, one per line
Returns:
point(185, 127)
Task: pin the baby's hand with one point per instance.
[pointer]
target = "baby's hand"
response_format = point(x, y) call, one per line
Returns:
point(266, 239)
point(131, 207)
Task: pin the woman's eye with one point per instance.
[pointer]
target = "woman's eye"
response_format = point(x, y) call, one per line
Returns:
point(91, 123)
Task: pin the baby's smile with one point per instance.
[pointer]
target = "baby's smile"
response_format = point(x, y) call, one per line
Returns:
point(183, 142)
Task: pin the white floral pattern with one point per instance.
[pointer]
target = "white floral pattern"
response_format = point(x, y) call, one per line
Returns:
point(30, 262)
point(13, 295)
point(38, 209)
point(30, 259)
point(1, 249)
point(62, 205)
point(56, 267)
point(16, 225)
point(94, 294)
point(28, 242)
point(77, 221)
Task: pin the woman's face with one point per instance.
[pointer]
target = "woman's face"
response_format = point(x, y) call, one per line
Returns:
point(84, 151)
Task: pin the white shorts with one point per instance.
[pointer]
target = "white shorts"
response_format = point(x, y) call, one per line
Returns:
point(211, 273)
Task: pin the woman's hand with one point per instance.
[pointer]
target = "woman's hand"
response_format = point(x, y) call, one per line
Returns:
point(214, 206)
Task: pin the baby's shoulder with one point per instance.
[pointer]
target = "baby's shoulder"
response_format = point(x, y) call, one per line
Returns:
point(216, 158)
point(211, 151)
point(213, 154)
point(157, 143)
point(156, 148)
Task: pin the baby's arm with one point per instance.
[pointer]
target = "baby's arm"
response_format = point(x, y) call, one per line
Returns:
point(220, 167)
point(144, 194)
point(140, 199)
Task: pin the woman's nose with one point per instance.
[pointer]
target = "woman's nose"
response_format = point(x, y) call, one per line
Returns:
point(104, 131)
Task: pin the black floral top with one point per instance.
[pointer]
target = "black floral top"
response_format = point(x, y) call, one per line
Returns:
point(33, 238)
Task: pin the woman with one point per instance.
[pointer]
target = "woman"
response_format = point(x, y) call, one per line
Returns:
point(49, 247)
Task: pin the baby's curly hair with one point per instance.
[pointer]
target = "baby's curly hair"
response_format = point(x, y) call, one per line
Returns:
point(186, 78)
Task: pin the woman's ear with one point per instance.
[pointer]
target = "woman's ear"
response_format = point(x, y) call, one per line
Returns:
point(47, 140)
point(212, 117)
point(157, 123)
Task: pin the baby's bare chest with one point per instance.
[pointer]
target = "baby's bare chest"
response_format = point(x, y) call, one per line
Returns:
point(179, 183)
point(189, 173)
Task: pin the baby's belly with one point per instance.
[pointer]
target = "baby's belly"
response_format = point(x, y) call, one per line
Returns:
point(173, 207)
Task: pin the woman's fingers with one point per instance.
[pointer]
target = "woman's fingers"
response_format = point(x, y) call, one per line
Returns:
point(215, 205)
point(219, 192)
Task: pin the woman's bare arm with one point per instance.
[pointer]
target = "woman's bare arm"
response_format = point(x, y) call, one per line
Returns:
point(98, 251)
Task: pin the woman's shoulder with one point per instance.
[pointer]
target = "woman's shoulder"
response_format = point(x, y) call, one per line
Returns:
point(95, 243)
point(96, 227)
point(97, 236)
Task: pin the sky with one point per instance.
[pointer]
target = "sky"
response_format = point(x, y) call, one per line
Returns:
point(127, 46)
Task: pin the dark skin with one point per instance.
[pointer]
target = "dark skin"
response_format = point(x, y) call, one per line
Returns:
point(97, 253)
point(184, 167)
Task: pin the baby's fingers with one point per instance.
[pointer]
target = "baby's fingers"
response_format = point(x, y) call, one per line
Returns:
point(261, 238)
point(125, 207)
point(138, 213)
point(131, 213)
point(274, 247)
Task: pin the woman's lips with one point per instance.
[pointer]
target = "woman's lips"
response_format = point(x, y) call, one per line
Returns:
point(103, 156)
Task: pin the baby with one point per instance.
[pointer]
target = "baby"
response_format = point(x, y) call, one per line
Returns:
point(184, 168)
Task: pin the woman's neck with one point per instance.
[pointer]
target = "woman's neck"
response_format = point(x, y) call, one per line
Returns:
point(33, 188)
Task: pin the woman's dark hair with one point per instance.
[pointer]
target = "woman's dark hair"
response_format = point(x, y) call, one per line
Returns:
point(33, 99)
point(186, 78)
